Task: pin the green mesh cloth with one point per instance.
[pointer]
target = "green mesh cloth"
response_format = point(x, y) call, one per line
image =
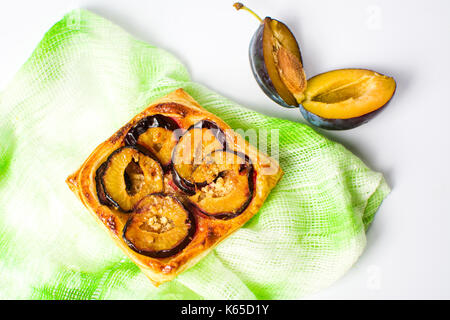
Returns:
point(87, 78)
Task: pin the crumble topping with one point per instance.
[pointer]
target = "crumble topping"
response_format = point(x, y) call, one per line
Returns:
point(218, 188)
point(158, 223)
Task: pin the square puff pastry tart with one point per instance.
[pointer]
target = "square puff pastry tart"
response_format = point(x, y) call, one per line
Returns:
point(172, 183)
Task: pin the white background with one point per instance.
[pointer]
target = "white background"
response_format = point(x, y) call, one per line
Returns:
point(408, 252)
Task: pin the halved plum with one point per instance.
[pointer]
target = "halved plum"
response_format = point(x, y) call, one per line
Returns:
point(198, 141)
point(129, 174)
point(155, 133)
point(346, 98)
point(229, 190)
point(276, 61)
point(336, 100)
point(159, 227)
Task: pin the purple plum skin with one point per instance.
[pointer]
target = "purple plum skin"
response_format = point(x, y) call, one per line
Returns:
point(338, 124)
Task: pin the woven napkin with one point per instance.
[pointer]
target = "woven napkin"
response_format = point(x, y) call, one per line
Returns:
point(87, 78)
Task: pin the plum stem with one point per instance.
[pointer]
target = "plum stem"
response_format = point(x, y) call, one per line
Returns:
point(240, 6)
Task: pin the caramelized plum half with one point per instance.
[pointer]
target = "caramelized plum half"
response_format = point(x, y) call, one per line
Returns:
point(276, 61)
point(346, 98)
point(126, 177)
point(155, 133)
point(198, 141)
point(159, 227)
point(229, 189)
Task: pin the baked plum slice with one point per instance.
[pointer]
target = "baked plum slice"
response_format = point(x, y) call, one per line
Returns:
point(276, 61)
point(129, 174)
point(229, 177)
point(197, 142)
point(157, 134)
point(159, 226)
point(346, 98)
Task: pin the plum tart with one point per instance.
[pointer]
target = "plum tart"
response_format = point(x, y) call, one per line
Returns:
point(173, 183)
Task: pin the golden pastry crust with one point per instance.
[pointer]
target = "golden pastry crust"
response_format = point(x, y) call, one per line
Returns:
point(210, 231)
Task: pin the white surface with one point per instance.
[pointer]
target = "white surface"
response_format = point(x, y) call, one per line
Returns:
point(408, 254)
